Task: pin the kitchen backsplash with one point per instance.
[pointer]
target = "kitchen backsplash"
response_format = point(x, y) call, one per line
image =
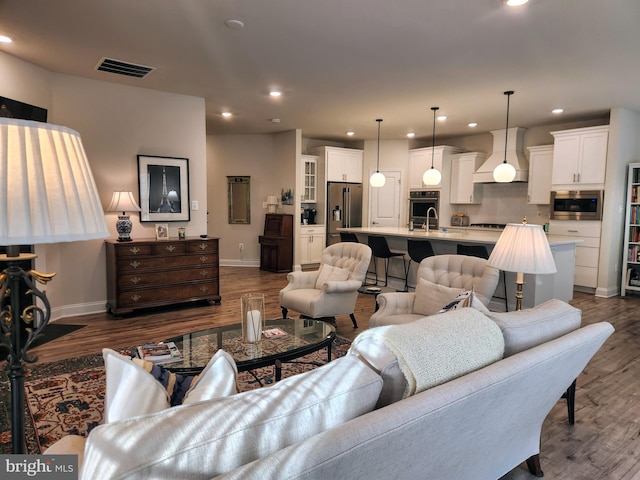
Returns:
point(504, 203)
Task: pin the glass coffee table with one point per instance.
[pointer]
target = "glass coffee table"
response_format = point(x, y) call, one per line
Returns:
point(303, 336)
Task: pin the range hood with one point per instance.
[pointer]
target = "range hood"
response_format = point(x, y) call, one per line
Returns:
point(515, 156)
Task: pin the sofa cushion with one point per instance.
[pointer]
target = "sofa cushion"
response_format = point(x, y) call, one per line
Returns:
point(218, 435)
point(431, 297)
point(527, 328)
point(429, 351)
point(329, 273)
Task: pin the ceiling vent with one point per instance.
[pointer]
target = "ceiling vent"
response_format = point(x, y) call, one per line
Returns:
point(123, 68)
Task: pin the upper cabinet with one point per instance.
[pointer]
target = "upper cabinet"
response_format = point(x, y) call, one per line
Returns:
point(463, 190)
point(540, 166)
point(579, 158)
point(309, 179)
point(341, 164)
point(420, 161)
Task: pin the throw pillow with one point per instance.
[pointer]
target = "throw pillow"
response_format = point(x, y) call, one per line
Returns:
point(462, 300)
point(218, 379)
point(330, 273)
point(430, 297)
point(214, 437)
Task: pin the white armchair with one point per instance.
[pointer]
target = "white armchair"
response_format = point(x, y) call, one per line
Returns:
point(332, 289)
point(456, 271)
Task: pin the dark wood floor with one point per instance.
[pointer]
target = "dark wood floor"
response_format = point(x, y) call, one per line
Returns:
point(604, 442)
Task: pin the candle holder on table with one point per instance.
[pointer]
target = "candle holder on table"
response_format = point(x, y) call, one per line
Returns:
point(253, 319)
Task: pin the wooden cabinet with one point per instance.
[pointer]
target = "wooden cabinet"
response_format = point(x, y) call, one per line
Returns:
point(587, 252)
point(631, 251)
point(341, 164)
point(309, 179)
point(312, 239)
point(420, 161)
point(540, 166)
point(150, 273)
point(579, 158)
point(463, 189)
point(276, 245)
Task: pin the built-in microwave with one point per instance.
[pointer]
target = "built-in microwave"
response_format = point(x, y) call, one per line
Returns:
point(577, 204)
point(420, 201)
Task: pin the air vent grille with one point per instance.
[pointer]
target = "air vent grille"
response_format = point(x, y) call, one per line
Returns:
point(123, 68)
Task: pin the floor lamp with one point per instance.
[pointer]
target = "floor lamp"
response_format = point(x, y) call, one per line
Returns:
point(47, 195)
point(522, 248)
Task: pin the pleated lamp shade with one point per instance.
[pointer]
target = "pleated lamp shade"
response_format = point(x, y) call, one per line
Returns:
point(47, 191)
point(523, 248)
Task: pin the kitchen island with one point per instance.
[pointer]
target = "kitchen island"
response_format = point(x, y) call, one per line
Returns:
point(537, 288)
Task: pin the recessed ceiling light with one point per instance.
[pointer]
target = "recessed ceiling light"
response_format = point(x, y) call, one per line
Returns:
point(234, 24)
point(5, 39)
point(275, 93)
point(411, 134)
point(557, 111)
point(473, 124)
point(227, 114)
point(351, 133)
point(515, 3)
point(442, 118)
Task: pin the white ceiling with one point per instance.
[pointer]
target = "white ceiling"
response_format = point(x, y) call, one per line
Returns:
point(343, 63)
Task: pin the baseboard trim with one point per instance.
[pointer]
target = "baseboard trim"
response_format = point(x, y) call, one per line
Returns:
point(78, 309)
point(237, 262)
point(607, 292)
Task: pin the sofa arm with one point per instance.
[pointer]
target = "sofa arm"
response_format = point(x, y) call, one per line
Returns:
point(394, 303)
point(69, 445)
point(528, 328)
point(343, 286)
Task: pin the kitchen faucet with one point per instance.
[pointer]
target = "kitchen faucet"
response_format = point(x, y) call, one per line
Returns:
point(435, 215)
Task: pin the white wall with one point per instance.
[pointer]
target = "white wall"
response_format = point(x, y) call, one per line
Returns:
point(116, 123)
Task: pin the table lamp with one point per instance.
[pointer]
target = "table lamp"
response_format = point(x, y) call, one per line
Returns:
point(272, 202)
point(522, 248)
point(123, 202)
point(47, 195)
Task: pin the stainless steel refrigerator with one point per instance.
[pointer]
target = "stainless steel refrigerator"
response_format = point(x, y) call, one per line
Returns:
point(344, 208)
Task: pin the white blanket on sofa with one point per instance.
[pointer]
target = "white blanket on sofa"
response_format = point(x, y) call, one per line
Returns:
point(439, 348)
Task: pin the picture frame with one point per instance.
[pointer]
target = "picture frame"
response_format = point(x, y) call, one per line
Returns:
point(162, 231)
point(163, 184)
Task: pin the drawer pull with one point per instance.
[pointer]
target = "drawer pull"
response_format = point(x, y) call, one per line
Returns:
point(134, 250)
point(204, 273)
point(572, 231)
point(135, 297)
point(134, 264)
point(202, 246)
point(171, 248)
point(204, 289)
point(135, 280)
point(203, 259)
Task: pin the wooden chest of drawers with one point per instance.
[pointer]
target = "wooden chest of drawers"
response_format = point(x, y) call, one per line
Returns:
point(150, 273)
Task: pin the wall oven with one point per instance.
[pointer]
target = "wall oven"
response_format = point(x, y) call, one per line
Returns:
point(419, 202)
point(577, 204)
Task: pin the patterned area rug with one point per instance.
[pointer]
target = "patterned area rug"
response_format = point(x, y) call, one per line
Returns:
point(68, 397)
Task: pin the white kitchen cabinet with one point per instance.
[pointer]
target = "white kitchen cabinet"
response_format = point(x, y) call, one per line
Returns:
point(463, 190)
point(579, 158)
point(587, 252)
point(420, 161)
point(341, 164)
point(309, 179)
point(312, 239)
point(540, 166)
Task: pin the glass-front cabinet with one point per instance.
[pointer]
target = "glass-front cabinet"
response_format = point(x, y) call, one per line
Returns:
point(310, 180)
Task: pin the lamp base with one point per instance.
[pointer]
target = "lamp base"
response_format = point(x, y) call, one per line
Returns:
point(124, 227)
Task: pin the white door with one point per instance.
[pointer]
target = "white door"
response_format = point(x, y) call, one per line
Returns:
point(384, 202)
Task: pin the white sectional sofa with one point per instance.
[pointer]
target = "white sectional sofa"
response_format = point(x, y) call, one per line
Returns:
point(329, 423)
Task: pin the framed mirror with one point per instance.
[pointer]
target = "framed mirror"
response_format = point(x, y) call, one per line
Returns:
point(239, 200)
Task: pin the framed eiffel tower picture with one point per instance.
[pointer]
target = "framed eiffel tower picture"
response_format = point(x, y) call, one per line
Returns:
point(164, 189)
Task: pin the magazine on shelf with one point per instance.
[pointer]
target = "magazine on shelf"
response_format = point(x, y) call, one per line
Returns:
point(161, 352)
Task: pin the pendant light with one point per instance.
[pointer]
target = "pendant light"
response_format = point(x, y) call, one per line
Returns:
point(505, 172)
point(378, 179)
point(432, 176)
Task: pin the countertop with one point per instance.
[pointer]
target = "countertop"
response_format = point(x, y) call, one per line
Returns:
point(465, 234)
